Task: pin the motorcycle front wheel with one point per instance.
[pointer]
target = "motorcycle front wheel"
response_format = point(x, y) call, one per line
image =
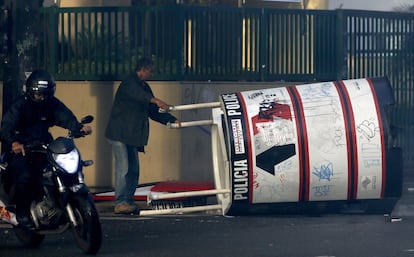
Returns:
point(28, 238)
point(87, 232)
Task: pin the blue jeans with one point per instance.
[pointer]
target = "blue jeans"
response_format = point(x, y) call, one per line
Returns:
point(126, 171)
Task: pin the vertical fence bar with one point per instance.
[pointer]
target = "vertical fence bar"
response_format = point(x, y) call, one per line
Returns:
point(54, 17)
point(88, 42)
point(75, 48)
point(341, 24)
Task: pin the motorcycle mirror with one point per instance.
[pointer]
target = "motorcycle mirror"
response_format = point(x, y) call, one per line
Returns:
point(87, 119)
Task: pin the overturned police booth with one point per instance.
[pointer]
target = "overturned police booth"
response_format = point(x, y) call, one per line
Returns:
point(306, 149)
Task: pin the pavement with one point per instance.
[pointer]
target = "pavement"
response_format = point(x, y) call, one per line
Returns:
point(202, 234)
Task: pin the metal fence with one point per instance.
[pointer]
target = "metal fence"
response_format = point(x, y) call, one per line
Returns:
point(217, 43)
point(190, 43)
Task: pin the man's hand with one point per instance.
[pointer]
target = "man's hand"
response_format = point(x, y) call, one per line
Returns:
point(176, 124)
point(161, 104)
point(18, 148)
point(87, 130)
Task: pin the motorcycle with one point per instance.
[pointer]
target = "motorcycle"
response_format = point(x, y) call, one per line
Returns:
point(64, 200)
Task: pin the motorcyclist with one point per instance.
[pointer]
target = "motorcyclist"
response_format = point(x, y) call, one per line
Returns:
point(27, 121)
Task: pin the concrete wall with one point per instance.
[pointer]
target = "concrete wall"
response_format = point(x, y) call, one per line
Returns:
point(309, 4)
point(83, 3)
point(317, 4)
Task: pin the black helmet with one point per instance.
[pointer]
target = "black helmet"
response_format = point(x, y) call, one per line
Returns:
point(41, 83)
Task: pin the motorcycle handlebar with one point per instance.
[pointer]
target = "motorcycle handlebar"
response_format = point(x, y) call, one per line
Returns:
point(85, 120)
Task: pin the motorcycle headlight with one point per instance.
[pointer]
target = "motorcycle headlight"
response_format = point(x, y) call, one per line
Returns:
point(68, 162)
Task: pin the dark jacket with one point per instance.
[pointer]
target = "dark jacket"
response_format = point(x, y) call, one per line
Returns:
point(27, 121)
point(131, 110)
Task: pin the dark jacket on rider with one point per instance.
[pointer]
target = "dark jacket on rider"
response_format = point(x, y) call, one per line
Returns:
point(131, 110)
point(28, 122)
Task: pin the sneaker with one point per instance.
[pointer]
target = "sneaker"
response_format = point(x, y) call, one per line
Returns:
point(126, 208)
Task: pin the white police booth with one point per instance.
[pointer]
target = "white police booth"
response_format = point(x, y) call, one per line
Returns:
point(314, 148)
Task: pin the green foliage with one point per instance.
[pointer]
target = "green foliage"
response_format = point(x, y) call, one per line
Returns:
point(99, 51)
point(96, 43)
